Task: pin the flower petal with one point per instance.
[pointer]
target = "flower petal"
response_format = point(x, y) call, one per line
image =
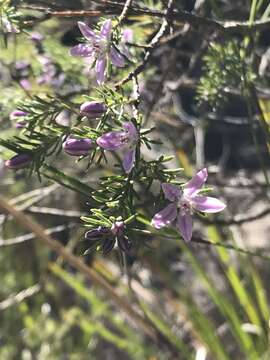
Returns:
point(87, 32)
point(128, 161)
point(97, 233)
point(81, 50)
point(101, 70)
point(127, 35)
point(165, 217)
point(112, 140)
point(106, 29)
point(207, 204)
point(171, 192)
point(196, 182)
point(25, 84)
point(17, 113)
point(130, 128)
point(184, 225)
point(116, 58)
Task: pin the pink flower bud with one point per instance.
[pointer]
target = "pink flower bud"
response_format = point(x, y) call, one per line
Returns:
point(77, 147)
point(18, 161)
point(93, 109)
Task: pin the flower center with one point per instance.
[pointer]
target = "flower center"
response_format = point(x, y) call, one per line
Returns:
point(184, 205)
point(101, 46)
point(125, 140)
point(128, 140)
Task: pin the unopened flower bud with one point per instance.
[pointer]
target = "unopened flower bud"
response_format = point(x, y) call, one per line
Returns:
point(20, 124)
point(97, 233)
point(18, 161)
point(16, 114)
point(107, 246)
point(93, 109)
point(77, 147)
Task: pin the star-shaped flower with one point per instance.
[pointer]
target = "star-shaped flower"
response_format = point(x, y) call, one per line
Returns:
point(184, 203)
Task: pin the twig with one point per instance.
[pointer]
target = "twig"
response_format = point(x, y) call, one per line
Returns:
point(34, 193)
point(55, 212)
point(124, 11)
point(30, 198)
point(19, 297)
point(199, 144)
point(78, 264)
point(224, 27)
point(27, 237)
point(238, 219)
point(152, 46)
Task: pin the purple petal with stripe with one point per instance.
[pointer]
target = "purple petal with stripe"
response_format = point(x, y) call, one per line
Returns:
point(87, 32)
point(184, 225)
point(112, 140)
point(81, 50)
point(171, 192)
point(165, 217)
point(116, 58)
point(106, 29)
point(129, 160)
point(191, 187)
point(207, 204)
point(101, 64)
point(131, 130)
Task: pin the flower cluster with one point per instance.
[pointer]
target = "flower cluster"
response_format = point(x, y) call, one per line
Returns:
point(115, 132)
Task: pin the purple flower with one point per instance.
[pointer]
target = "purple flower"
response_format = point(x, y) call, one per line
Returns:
point(184, 203)
point(126, 139)
point(18, 161)
point(98, 49)
point(77, 147)
point(93, 109)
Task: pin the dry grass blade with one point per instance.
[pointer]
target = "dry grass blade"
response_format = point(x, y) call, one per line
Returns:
point(78, 264)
